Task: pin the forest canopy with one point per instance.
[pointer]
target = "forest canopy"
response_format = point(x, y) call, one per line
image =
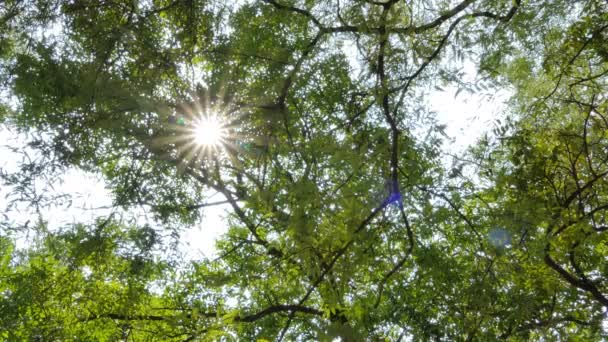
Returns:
point(311, 119)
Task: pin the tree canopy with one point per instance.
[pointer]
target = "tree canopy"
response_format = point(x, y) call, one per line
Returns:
point(348, 219)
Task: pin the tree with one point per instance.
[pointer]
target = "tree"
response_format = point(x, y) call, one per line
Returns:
point(344, 221)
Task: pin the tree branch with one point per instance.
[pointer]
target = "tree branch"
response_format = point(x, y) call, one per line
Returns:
point(300, 11)
point(247, 318)
point(572, 280)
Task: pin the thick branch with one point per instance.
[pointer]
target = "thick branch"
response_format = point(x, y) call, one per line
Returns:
point(280, 308)
point(295, 10)
point(394, 188)
point(440, 20)
point(451, 28)
point(576, 193)
point(247, 318)
point(585, 285)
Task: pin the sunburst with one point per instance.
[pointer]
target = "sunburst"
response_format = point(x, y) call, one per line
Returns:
point(201, 130)
point(209, 132)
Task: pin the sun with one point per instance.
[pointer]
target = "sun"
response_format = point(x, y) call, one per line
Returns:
point(209, 132)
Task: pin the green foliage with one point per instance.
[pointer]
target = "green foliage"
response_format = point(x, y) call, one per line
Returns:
point(344, 221)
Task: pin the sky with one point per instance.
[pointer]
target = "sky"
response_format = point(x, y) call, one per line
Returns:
point(92, 199)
